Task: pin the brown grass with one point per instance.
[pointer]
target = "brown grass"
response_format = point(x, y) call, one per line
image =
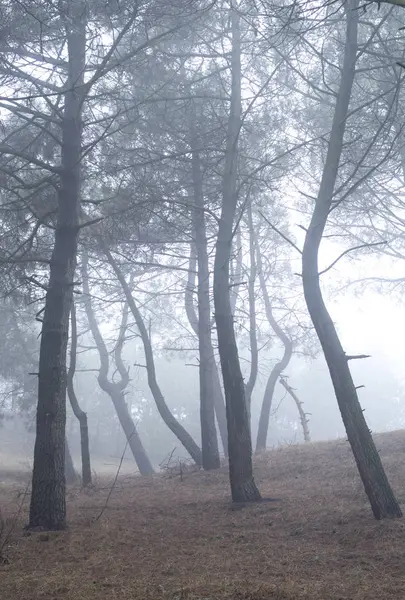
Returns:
point(163, 538)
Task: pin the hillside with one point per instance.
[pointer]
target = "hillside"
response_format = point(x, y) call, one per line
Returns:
point(181, 539)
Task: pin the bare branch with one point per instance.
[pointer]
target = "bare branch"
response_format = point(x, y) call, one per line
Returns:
point(5, 149)
point(347, 252)
point(285, 238)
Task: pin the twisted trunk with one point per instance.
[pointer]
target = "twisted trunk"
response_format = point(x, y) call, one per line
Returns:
point(182, 435)
point(115, 389)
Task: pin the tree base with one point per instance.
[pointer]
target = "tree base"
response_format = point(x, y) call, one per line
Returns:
point(48, 506)
point(393, 512)
point(212, 464)
point(247, 492)
point(42, 528)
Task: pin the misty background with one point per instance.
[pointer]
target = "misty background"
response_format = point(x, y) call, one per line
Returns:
point(369, 321)
point(139, 186)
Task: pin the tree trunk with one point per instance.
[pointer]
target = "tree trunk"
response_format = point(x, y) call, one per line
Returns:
point(254, 351)
point(190, 289)
point(278, 368)
point(78, 412)
point(243, 487)
point(48, 502)
point(115, 389)
point(302, 414)
point(219, 404)
point(235, 270)
point(131, 434)
point(182, 435)
point(209, 442)
point(70, 472)
point(379, 492)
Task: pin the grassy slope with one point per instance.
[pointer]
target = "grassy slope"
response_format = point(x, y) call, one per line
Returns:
point(166, 538)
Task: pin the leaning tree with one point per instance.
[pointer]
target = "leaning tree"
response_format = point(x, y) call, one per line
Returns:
point(342, 175)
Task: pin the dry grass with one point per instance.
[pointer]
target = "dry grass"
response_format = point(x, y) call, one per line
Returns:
point(164, 538)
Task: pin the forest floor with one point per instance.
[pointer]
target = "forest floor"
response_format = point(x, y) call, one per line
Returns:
point(181, 539)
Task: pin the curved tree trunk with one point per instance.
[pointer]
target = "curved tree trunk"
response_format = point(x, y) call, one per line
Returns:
point(211, 366)
point(278, 368)
point(243, 487)
point(182, 435)
point(382, 500)
point(115, 389)
point(78, 412)
point(209, 441)
point(48, 496)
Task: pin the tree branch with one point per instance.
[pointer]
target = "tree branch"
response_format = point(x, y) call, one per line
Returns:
point(285, 238)
point(5, 149)
point(347, 252)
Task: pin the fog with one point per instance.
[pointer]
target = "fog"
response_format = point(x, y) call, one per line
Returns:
point(369, 322)
point(204, 245)
point(202, 227)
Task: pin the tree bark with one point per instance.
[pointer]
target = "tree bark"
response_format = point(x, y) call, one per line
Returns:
point(115, 389)
point(301, 412)
point(220, 410)
point(182, 435)
point(190, 290)
point(209, 442)
point(129, 428)
point(382, 500)
point(236, 267)
point(78, 412)
point(218, 397)
point(48, 501)
point(243, 487)
point(70, 472)
point(254, 351)
point(279, 367)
